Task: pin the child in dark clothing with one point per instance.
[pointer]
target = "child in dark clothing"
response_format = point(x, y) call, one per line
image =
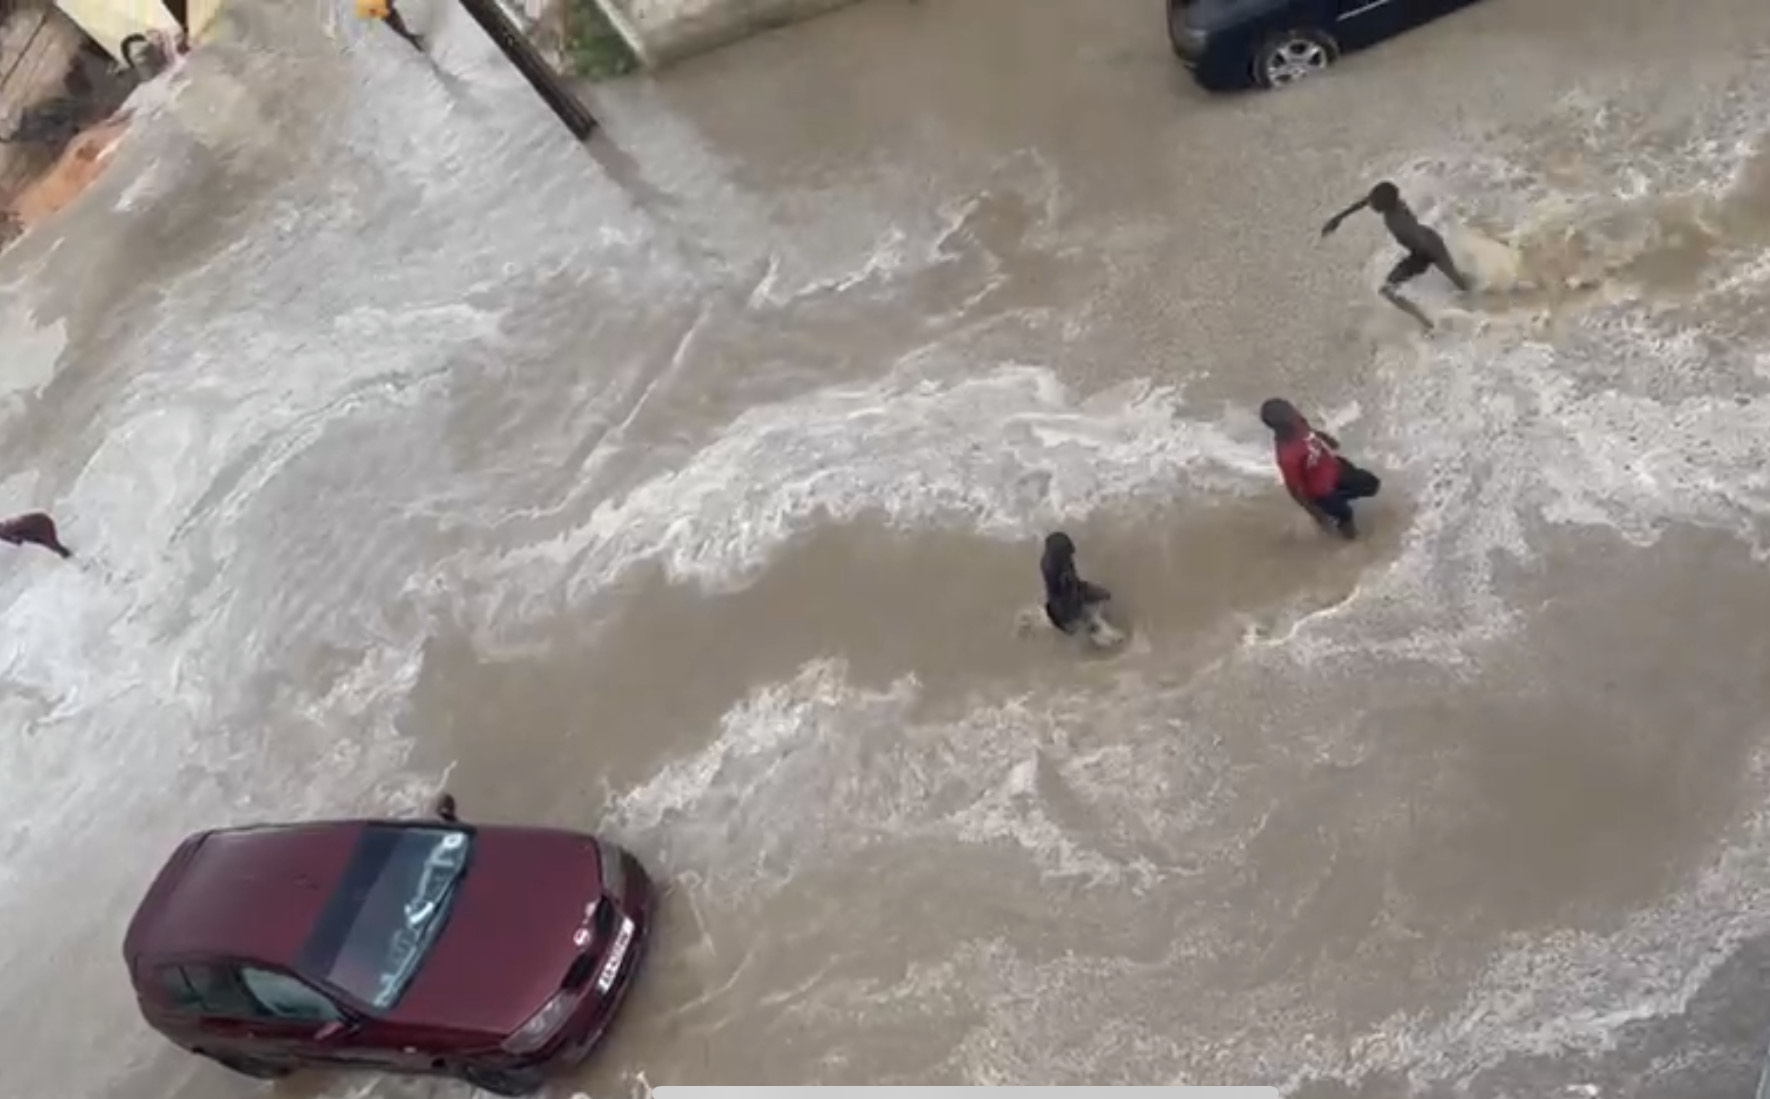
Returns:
point(1067, 595)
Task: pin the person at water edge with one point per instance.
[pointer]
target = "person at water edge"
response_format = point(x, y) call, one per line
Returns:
point(1425, 248)
point(1067, 595)
point(388, 13)
point(34, 528)
point(1323, 483)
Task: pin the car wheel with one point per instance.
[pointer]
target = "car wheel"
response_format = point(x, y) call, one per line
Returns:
point(511, 1082)
point(258, 1070)
point(1289, 57)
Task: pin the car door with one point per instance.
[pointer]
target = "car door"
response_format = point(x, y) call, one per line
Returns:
point(1360, 23)
point(214, 1013)
point(327, 1031)
point(186, 1001)
point(1363, 22)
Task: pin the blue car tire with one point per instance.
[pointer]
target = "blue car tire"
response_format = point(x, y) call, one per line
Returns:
point(1292, 55)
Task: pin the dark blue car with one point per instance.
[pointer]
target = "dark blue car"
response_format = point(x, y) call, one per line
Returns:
point(1233, 44)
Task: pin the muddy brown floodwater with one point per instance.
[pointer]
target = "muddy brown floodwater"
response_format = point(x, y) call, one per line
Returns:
point(690, 489)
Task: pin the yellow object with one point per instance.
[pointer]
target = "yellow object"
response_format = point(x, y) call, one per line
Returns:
point(371, 9)
point(109, 22)
point(199, 16)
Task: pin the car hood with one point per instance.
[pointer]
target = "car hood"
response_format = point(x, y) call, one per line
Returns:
point(509, 938)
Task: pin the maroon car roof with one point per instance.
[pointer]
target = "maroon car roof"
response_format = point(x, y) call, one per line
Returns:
point(246, 892)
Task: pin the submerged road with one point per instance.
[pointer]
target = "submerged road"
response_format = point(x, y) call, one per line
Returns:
point(688, 487)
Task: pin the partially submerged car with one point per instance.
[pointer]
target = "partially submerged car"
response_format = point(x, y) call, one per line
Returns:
point(496, 955)
point(1233, 44)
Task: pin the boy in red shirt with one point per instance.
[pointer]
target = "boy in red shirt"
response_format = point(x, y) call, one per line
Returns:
point(1323, 483)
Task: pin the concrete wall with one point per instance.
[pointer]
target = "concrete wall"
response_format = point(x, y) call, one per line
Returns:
point(108, 22)
point(41, 43)
point(201, 16)
point(663, 31)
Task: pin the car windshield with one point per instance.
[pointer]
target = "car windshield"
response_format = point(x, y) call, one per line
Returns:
point(386, 913)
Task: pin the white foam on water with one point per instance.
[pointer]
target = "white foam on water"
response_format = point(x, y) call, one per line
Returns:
point(1575, 992)
point(1489, 264)
point(1001, 452)
point(1621, 421)
point(1617, 421)
point(905, 245)
point(1024, 1010)
point(33, 354)
point(884, 260)
point(1499, 436)
point(215, 497)
point(148, 184)
point(147, 665)
point(277, 390)
point(1611, 418)
point(806, 773)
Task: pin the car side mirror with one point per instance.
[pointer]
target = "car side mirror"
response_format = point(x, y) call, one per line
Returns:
point(333, 1030)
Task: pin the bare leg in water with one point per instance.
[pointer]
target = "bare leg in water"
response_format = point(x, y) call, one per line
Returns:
point(1410, 267)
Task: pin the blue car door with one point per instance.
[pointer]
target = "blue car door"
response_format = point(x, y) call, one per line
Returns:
point(1364, 22)
point(1361, 23)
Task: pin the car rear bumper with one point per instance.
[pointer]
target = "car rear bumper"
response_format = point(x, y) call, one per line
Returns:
point(1189, 44)
point(1220, 69)
point(1219, 80)
point(1219, 61)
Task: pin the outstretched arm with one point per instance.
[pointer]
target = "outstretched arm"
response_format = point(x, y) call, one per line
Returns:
point(1334, 222)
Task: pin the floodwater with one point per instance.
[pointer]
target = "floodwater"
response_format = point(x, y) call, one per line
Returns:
point(688, 487)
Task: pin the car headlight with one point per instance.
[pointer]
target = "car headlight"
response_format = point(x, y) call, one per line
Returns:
point(541, 1026)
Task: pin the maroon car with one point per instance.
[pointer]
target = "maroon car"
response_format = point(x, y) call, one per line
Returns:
point(496, 955)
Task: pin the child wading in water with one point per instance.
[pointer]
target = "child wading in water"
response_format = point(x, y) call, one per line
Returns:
point(1321, 482)
point(1073, 605)
point(1068, 597)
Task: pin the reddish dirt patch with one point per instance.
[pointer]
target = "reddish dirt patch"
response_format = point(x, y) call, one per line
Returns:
point(82, 162)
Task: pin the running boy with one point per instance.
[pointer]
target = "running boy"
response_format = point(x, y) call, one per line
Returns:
point(1318, 479)
point(1425, 248)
